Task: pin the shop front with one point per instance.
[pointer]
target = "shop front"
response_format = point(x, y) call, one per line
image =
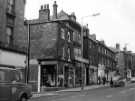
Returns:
point(13, 58)
point(81, 66)
point(92, 75)
point(50, 75)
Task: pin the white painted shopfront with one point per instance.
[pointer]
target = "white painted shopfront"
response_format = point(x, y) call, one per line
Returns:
point(12, 58)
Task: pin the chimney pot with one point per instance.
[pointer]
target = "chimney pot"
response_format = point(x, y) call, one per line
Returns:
point(117, 46)
point(55, 10)
point(54, 2)
point(44, 13)
point(41, 7)
point(47, 6)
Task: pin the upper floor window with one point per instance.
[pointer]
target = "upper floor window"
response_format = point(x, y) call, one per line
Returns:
point(77, 52)
point(77, 37)
point(9, 32)
point(62, 33)
point(69, 36)
point(10, 20)
point(11, 5)
point(69, 57)
point(63, 53)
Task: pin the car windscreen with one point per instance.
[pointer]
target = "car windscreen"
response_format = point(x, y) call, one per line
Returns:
point(4, 76)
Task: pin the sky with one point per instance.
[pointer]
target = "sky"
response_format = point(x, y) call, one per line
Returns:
point(115, 24)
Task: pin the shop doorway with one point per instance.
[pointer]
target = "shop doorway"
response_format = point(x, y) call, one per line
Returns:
point(48, 75)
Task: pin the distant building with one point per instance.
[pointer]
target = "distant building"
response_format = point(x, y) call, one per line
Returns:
point(106, 60)
point(101, 58)
point(11, 27)
point(124, 60)
point(133, 64)
point(90, 52)
point(55, 50)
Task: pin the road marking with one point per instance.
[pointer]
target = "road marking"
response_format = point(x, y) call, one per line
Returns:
point(73, 96)
point(62, 99)
point(108, 96)
point(82, 95)
point(122, 92)
point(132, 88)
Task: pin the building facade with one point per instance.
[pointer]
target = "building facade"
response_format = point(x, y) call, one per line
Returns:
point(12, 21)
point(11, 26)
point(90, 53)
point(101, 58)
point(106, 60)
point(124, 61)
point(55, 50)
point(133, 65)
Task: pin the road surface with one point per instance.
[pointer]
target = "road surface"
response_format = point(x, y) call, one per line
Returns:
point(100, 94)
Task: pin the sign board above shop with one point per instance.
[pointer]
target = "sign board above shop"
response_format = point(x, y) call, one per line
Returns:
point(12, 58)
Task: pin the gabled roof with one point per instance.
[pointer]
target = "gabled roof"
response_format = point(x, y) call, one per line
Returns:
point(114, 49)
point(63, 15)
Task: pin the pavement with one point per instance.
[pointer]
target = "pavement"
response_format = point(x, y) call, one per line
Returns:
point(90, 93)
point(78, 89)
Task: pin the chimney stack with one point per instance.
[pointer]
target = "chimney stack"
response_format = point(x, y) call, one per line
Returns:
point(117, 46)
point(55, 10)
point(125, 48)
point(44, 12)
point(73, 17)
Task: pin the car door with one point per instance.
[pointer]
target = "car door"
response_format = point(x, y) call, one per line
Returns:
point(5, 85)
point(17, 87)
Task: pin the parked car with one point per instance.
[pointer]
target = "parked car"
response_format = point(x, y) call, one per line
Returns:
point(11, 86)
point(132, 79)
point(118, 81)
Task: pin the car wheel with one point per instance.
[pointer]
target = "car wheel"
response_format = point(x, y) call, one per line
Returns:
point(23, 98)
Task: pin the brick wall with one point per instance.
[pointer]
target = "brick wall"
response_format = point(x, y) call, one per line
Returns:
point(43, 40)
point(3, 4)
point(19, 22)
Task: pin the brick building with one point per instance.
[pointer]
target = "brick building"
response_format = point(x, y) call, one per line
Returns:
point(124, 61)
point(11, 27)
point(133, 64)
point(90, 53)
point(106, 60)
point(101, 58)
point(12, 21)
point(55, 48)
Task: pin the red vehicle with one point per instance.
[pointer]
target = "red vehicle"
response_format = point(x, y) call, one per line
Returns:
point(11, 86)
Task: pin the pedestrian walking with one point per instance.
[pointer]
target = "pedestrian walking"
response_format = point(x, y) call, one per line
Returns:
point(111, 82)
point(99, 80)
point(104, 80)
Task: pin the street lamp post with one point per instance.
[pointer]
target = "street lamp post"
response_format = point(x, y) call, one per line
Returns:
point(82, 69)
point(28, 51)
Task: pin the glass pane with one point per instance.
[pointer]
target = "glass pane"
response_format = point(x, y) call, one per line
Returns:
point(9, 31)
point(17, 76)
point(62, 33)
point(2, 75)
